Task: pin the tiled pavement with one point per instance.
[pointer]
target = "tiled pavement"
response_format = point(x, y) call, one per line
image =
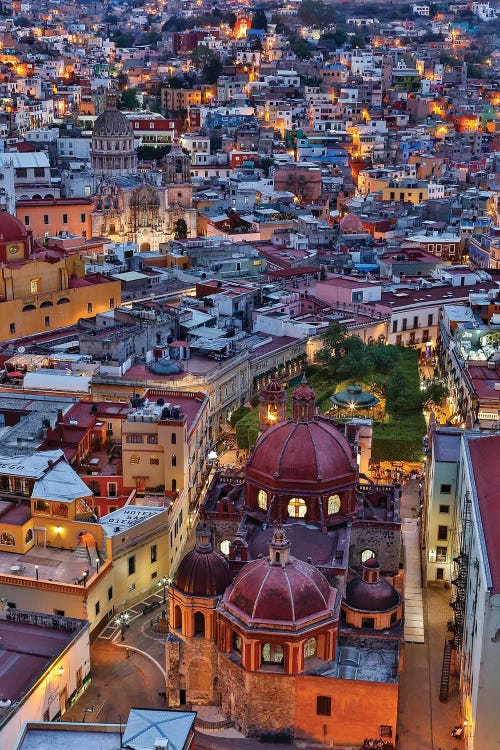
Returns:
point(414, 608)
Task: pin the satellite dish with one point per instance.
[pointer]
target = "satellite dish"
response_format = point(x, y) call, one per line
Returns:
point(21, 350)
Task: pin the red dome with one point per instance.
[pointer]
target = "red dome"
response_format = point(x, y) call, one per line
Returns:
point(351, 224)
point(203, 571)
point(280, 589)
point(11, 229)
point(297, 455)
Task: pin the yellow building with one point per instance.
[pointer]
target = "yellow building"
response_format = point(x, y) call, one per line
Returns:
point(45, 289)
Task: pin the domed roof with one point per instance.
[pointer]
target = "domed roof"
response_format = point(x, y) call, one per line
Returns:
point(355, 397)
point(351, 224)
point(296, 453)
point(11, 229)
point(280, 588)
point(371, 593)
point(274, 386)
point(203, 571)
point(145, 195)
point(112, 123)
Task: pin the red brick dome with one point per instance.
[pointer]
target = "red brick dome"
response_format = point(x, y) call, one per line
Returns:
point(203, 571)
point(297, 455)
point(371, 593)
point(280, 588)
point(11, 229)
point(351, 224)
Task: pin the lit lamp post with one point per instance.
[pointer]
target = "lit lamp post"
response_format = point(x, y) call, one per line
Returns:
point(352, 406)
point(164, 582)
point(122, 621)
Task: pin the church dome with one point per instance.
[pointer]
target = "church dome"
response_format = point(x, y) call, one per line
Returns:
point(203, 571)
point(280, 588)
point(111, 124)
point(11, 229)
point(351, 224)
point(300, 453)
point(371, 593)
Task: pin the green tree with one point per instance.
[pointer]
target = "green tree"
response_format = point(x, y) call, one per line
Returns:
point(301, 48)
point(334, 342)
point(129, 99)
point(265, 164)
point(212, 70)
point(181, 230)
point(316, 13)
point(259, 20)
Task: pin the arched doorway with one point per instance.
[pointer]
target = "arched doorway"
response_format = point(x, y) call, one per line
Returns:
point(199, 624)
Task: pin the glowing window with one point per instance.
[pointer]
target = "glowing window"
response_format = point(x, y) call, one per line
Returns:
point(34, 286)
point(297, 508)
point(310, 648)
point(366, 554)
point(272, 653)
point(224, 547)
point(262, 499)
point(333, 504)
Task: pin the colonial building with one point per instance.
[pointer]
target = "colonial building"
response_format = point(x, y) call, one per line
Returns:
point(292, 623)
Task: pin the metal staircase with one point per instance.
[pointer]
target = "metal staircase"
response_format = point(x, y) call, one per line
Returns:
point(445, 671)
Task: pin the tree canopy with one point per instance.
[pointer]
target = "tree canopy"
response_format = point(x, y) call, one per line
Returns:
point(316, 13)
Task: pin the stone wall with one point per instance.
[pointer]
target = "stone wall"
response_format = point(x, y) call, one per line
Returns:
point(224, 529)
point(172, 660)
point(384, 540)
point(191, 666)
point(257, 702)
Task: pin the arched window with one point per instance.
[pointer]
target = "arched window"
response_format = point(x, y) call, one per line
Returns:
point(174, 485)
point(310, 648)
point(63, 301)
point(224, 546)
point(177, 617)
point(236, 642)
point(297, 508)
point(7, 539)
point(272, 653)
point(29, 308)
point(262, 499)
point(199, 624)
point(47, 303)
point(333, 504)
point(366, 554)
point(173, 438)
point(29, 536)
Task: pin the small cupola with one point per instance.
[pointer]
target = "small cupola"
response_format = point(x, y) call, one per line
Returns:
point(371, 570)
point(279, 549)
point(303, 402)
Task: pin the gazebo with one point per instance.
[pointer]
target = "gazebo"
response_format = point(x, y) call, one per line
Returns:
point(354, 398)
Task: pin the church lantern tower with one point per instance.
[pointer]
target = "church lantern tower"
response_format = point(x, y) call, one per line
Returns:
point(272, 407)
point(176, 177)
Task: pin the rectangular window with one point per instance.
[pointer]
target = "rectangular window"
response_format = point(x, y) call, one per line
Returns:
point(12, 327)
point(27, 221)
point(39, 171)
point(430, 319)
point(441, 554)
point(443, 533)
point(323, 705)
point(111, 303)
point(174, 459)
point(47, 321)
point(45, 218)
point(135, 459)
point(367, 622)
point(446, 489)
point(21, 172)
point(110, 593)
point(89, 307)
point(174, 438)
point(134, 438)
point(444, 508)
point(154, 553)
point(154, 461)
point(394, 326)
point(415, 321)
point(403, 324)
point(112, 489)
point(131, 565)
point(83, 218)
point(439, 574)
point(97, 608)
point(59, 612)
point(152, 439)
point(34, 288)
point(65, 219)
point(154, 574)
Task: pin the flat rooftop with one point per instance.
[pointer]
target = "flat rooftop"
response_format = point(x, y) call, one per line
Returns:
point(74, 736)
point(29, 643)
point(126, 518)
point(54, 564)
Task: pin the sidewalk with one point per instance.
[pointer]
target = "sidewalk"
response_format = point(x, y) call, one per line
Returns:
point(424, 722)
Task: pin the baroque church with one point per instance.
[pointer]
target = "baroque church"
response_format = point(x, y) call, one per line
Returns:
point(288, 613)
point(146, 208)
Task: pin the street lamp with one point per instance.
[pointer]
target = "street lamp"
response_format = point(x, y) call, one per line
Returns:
point(164, 582)
point(122, 621)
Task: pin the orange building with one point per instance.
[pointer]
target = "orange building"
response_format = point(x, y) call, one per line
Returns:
point(42, 289)
point(48, 217)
